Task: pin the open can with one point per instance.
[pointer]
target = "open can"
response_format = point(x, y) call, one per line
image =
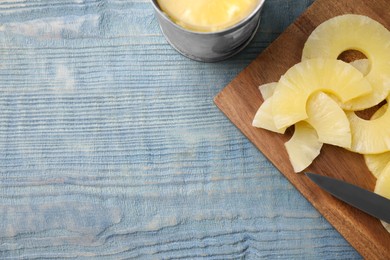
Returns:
point(210, 46)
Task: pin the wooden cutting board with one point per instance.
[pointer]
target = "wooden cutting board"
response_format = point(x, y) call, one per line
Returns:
point(240, 100)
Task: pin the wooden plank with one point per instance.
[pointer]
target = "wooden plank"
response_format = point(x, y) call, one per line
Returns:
point(241, 99)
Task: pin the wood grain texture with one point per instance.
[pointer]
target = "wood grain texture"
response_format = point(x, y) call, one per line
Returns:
point(241, 99)
point(111, 146)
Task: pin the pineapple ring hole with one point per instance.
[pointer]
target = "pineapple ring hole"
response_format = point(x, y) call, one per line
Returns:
point(353, 55)
point(369, 112)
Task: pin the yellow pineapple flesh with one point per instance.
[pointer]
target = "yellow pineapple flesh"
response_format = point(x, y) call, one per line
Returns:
point(370, 136)
point(324, 115)
point(264, 118)
point(377, 162)
point(360, 33)
point(326, 123)
point(329, 120)
point(300, 81)
point(303, 147)
point(267, 90)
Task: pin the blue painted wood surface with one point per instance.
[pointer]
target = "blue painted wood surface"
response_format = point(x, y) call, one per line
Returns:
point(111, 146)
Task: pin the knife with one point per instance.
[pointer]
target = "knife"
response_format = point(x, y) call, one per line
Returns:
point(367, 201)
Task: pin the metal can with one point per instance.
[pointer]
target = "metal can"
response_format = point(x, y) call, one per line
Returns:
point(209, 46)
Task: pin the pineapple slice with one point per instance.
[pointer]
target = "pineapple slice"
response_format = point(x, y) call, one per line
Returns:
point(303, 79)
point(267, 90)
point(370, 136)
point(327, 123)
point(324, 115)
point(361, 33)
point(264, 118)
point(377, 162)
point(329, 120)
point(303, 147)
point(382, 188)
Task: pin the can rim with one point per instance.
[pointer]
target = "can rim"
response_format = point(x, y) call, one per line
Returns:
point(215, 59)
point(223, 31)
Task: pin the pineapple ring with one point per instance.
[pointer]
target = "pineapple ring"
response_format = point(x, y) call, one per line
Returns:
point(382, 188)
point(300, 81)
point(327, 123)
point(324, 115)
point(303, 147)
point(329, 120)
point(377, 162)
point(370, 136)
point(263, 118)
point(361, 33)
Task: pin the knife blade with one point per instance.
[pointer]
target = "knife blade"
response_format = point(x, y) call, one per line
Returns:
point(367, 201)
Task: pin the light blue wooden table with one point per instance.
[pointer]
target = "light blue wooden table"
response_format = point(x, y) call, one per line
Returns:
point(111, 146)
